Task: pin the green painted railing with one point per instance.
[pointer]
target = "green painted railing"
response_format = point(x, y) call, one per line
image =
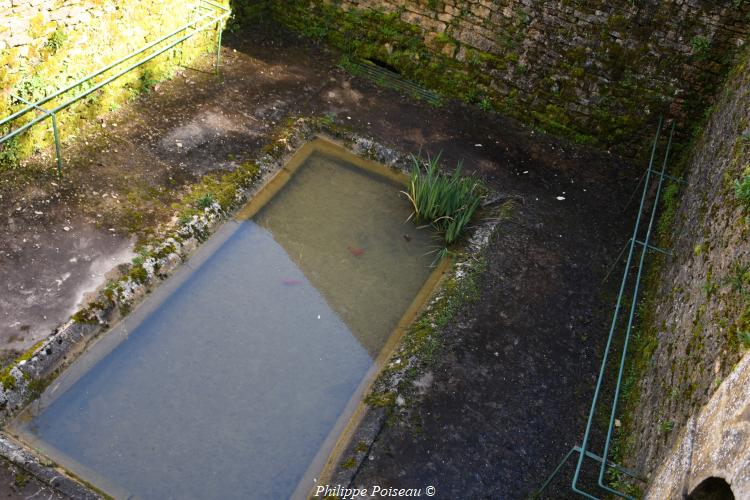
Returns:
point(582, 451)
point(210, 14)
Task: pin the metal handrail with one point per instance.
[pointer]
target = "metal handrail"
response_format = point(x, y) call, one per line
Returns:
point(581, 449)
point(196, 25)
point(631, 316)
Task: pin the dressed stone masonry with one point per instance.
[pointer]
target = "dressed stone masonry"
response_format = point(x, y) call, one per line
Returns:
point(594, 70)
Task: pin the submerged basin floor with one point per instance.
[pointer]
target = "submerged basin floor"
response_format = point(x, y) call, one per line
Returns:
point(231, 378)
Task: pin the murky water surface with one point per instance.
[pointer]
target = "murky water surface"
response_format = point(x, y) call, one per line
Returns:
point(229, 379)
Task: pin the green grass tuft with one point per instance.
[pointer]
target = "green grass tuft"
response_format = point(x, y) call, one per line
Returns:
point(205, 201)
point(447, 202)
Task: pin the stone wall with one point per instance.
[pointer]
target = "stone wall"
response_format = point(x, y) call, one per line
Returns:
point(596, 71)
point(695, 321)
point(715, 443)
point(46, 44)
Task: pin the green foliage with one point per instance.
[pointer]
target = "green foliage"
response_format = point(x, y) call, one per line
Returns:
point(328, 119)
point(147, 81)
point(739, 279)
point(86, 316)
point(443, 38)
point(623, 483)
point(8, 381)
point(317, 32)
point(220, 188)
point(9, 154)
point(184, 219)
point(669, 200)
point(445, 201)
point(742, 191)
point(138, 273)
point(33, 88)
point(744, 338)
point(56, 40)
point(738, 333)
point(666, 426)
point(205, 201)
point(701, 46)
point(709, 288)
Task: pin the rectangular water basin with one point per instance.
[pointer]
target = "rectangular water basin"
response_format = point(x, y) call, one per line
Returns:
point(236, 377)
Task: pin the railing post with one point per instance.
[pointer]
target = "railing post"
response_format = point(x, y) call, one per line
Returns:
point(218, 47)
point(55, 132)
point(57, 145)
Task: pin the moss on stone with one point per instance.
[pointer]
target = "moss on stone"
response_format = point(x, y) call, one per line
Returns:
point(621, 78)
point(8, 380)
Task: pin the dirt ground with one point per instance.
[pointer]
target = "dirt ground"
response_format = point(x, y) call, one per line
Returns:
point(510, 391)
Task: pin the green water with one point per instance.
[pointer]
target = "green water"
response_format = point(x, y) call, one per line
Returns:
point(233, 376)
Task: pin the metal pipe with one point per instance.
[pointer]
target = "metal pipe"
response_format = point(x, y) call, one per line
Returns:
point(652, 247)
point(633, 305)
point(57, 145)
point(613, 326)
point(218, 48)
point(670, 177)
point(554, 473)
point(54, 130)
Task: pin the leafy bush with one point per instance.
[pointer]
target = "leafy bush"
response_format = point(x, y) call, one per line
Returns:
point(447, 202)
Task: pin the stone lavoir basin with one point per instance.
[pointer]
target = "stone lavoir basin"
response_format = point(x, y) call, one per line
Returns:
point(237, 377)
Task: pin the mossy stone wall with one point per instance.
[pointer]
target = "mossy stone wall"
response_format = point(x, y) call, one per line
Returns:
point(595, 71)
point(47, 44)
point(695, 315)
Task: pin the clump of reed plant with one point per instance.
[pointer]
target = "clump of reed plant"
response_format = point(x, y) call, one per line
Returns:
point(445, 201)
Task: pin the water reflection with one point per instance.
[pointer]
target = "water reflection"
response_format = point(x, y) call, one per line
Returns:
point(226, 385)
